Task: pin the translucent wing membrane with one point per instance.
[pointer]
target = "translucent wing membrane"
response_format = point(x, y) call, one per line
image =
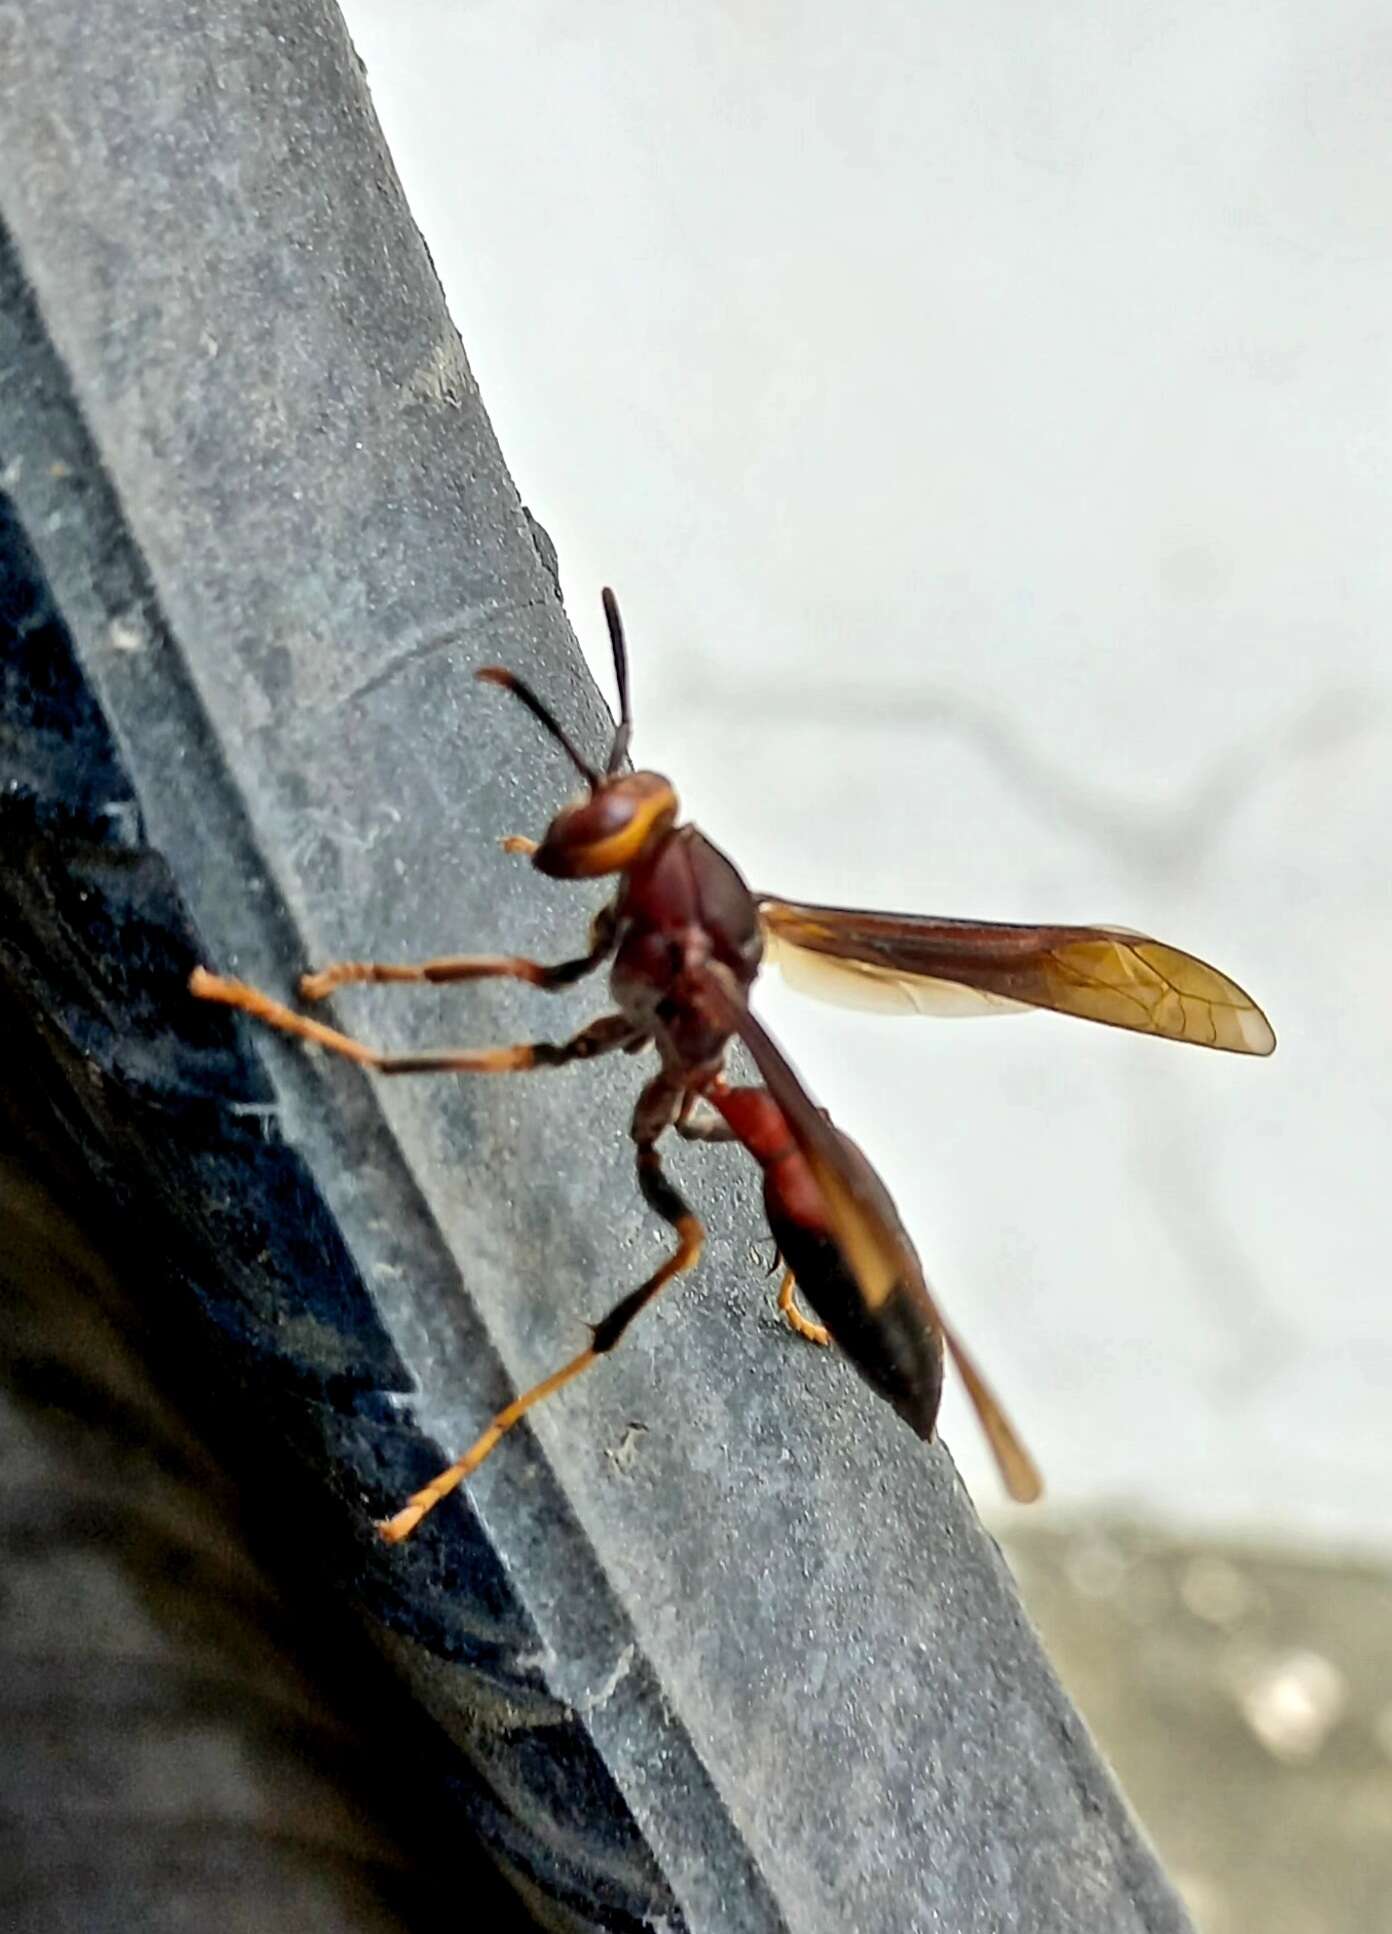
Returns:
point(1019, 1472)
point(880, 1254)
point(874, 989)
point(918, 964)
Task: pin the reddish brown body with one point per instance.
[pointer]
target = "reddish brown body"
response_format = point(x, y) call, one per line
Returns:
point(686, 938)
point(897, 1348)
point(683, 906)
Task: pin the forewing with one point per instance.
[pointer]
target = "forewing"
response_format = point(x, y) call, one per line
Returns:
point(876, 1248)
point(1019, 1472)
point(843, 981)
point(919, 964)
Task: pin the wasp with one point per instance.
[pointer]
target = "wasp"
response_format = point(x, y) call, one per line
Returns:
point(684, 938)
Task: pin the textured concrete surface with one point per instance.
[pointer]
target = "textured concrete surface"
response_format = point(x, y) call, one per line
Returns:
point(985, 417)
point(718, 1645)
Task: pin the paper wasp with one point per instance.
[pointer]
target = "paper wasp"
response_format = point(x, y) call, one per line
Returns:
point(686, 938)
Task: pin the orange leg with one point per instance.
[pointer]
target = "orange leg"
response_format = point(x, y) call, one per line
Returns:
point(455, 967)
point(799, 1324)
point(661, 1196)
point(600, 1037)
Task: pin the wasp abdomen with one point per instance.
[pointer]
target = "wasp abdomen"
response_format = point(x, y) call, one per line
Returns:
point(893, 1347)
point(895, 1344)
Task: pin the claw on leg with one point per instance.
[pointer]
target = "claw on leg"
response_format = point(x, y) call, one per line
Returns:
point(392, 1530)
point(799, 1324)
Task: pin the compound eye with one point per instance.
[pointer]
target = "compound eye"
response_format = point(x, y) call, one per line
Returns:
point(606, 833)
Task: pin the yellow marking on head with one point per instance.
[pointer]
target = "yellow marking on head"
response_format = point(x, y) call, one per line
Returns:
point(621, 848)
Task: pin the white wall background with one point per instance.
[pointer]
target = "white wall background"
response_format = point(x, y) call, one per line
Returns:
point(984, 415)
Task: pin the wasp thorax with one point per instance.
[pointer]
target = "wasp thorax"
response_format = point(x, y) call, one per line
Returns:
point(606, 832)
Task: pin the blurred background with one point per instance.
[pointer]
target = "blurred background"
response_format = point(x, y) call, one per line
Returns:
point(983, 415)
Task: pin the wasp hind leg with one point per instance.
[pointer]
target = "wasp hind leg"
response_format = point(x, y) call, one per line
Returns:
point(660, 1195)
point(799, 1324)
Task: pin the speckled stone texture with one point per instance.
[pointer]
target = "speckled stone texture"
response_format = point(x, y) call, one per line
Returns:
point(718, 1645)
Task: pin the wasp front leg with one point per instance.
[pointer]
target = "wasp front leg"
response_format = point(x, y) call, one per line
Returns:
point(456, 967)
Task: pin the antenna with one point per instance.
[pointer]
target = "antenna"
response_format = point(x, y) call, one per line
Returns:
point(510, 682)
point(619, 750)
